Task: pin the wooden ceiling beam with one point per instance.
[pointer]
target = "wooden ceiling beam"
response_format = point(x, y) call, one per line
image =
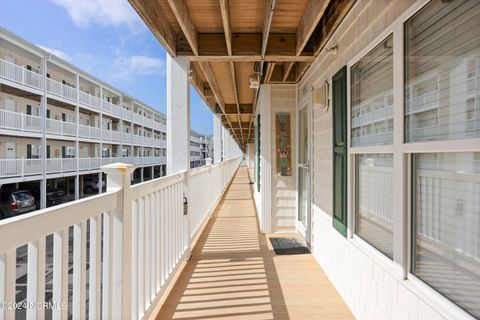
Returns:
point(287, 67)
point(157, 21)
point(250, 58)
point(225, 9)
point(232, 109)
point(235, 91)
point(180, 9)
point(311, 16)
point(268, 74)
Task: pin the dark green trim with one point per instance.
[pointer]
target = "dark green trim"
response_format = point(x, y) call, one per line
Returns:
point(339, 115)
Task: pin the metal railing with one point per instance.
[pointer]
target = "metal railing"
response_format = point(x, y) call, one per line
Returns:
point(57, 88)
point(20, 121)
point(62, 128)
point(132, 238)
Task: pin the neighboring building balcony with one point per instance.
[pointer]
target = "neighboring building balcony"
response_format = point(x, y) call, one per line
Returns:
point(425, 132)
point(381, 114)
point(372, 139)
point(138, 118)
point(111, 108)
point(127, 137)
point(111, 135)
point(62, 128)
point(18, 74)
point(425, 102)
point(88, 132)
point(89, 100)
point(20, 121)
point(10, 168)
point(57, 88)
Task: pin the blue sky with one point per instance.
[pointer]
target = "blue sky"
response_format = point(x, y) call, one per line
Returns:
point(107, 39)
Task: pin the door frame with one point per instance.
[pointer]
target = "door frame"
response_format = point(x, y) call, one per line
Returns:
point(7, 144)
point(305, 102)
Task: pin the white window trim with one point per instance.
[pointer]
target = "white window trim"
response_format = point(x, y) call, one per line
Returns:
point(400, 266)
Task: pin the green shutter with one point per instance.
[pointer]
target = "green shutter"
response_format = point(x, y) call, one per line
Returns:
point(64, 117)
point(29, 151)
point(29, 109)
point(339, 112)
point(64, 152)
point(48, 113)
point(48, 151)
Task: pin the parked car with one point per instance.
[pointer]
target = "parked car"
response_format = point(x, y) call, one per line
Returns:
point(54, 196)
point(91, 184)
point(17, 203)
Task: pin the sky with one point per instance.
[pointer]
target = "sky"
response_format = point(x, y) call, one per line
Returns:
point(107, 39)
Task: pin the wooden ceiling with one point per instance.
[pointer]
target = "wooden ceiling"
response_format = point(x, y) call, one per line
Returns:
point(227, 41)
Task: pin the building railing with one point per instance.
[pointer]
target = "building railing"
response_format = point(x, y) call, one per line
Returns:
point(374, 116)
point(62, 128)
point(376, 138)
point(89, 100)
point(20, 121)
point(62, 90)
point(16, 73)
point(111, 108)
point(26, 167)
point(132, 238)
point(89, 132)
point(424, 102)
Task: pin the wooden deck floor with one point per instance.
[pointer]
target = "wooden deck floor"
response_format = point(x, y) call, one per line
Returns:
point(235, 274)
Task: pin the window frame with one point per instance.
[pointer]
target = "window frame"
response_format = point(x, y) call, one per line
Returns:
point(401, 265)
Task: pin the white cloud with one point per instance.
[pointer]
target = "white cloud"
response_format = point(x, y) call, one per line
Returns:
point(58, 53)
point(128, 68)
point(103, 12)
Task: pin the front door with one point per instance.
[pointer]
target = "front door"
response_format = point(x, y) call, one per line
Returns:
point(304, 175)
point(10, 150)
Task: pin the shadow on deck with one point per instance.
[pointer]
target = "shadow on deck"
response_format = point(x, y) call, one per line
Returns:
point(235, 274)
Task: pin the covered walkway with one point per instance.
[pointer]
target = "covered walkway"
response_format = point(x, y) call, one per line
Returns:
point(235, 274)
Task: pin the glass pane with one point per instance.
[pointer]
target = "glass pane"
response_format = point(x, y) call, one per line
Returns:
point(442, 97)
point(303, 136)
point(372, 97)
point(303, 194)
point(446, 205)
point(374, 196)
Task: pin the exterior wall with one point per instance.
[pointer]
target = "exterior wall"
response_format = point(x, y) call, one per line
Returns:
point(20, 102)
point(283, 188)
point(21, 145)
point(372, 285)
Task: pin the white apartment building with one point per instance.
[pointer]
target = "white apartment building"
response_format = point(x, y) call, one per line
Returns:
point(200, 148)
point(59, 124)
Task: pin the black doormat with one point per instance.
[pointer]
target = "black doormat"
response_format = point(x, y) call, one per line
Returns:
point(284, 246)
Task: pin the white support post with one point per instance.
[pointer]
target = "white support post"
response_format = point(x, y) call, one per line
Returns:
point(43, 104)
point(77, 144)
point(178, 115)
point(217, 139)
point(118, 177)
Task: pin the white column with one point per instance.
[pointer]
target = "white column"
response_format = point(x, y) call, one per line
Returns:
point(77, 145)
point(43, 104)
point(217, 138)
point(178, 115)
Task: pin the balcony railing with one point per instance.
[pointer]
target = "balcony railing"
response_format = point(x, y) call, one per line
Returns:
point(25, 167)
point(15, 73)
point(89, 100)
point(372, 117)
point(424, 102)
point(89, 132)
point(127, 244)
point(62, 128)
point(59, 89)
point(20, 121)
point(114, 109)
point(377, 138)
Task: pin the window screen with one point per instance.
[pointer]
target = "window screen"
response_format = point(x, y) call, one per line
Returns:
point(442, 45)
point(446, 225)
point(374, 198)
point(372, 96)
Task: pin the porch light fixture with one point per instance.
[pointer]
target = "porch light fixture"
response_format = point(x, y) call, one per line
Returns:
point(332, 50)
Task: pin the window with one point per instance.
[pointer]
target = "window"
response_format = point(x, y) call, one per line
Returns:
point(374, 198)
point(442, 71)
point(446, 229)
point(442, 92)
point(372, 96)
point(33, 151)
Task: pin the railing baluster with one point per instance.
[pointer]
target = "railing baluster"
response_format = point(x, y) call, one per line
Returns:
point(106, 267)
point(163, 260)
point(135, 235)
point(147, 256)
point(8, 264)
point(141, 256)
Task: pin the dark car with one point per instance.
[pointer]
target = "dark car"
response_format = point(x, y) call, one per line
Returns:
point(54, 197)
point(17, 203)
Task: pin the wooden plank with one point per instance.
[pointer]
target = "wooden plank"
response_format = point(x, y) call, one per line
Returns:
point(156, 20)
point(268, 74)
point(312, 15)
point(232, 109)
point(235, 91)
point(267, 23)
point(180, 9)
point(225, 9)
point(287, 67)
point(250, 58)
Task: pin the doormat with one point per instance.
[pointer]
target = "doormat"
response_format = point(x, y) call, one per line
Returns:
point(286, 246)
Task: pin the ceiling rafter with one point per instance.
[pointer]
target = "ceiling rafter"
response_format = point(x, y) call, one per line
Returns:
point(180, 9)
